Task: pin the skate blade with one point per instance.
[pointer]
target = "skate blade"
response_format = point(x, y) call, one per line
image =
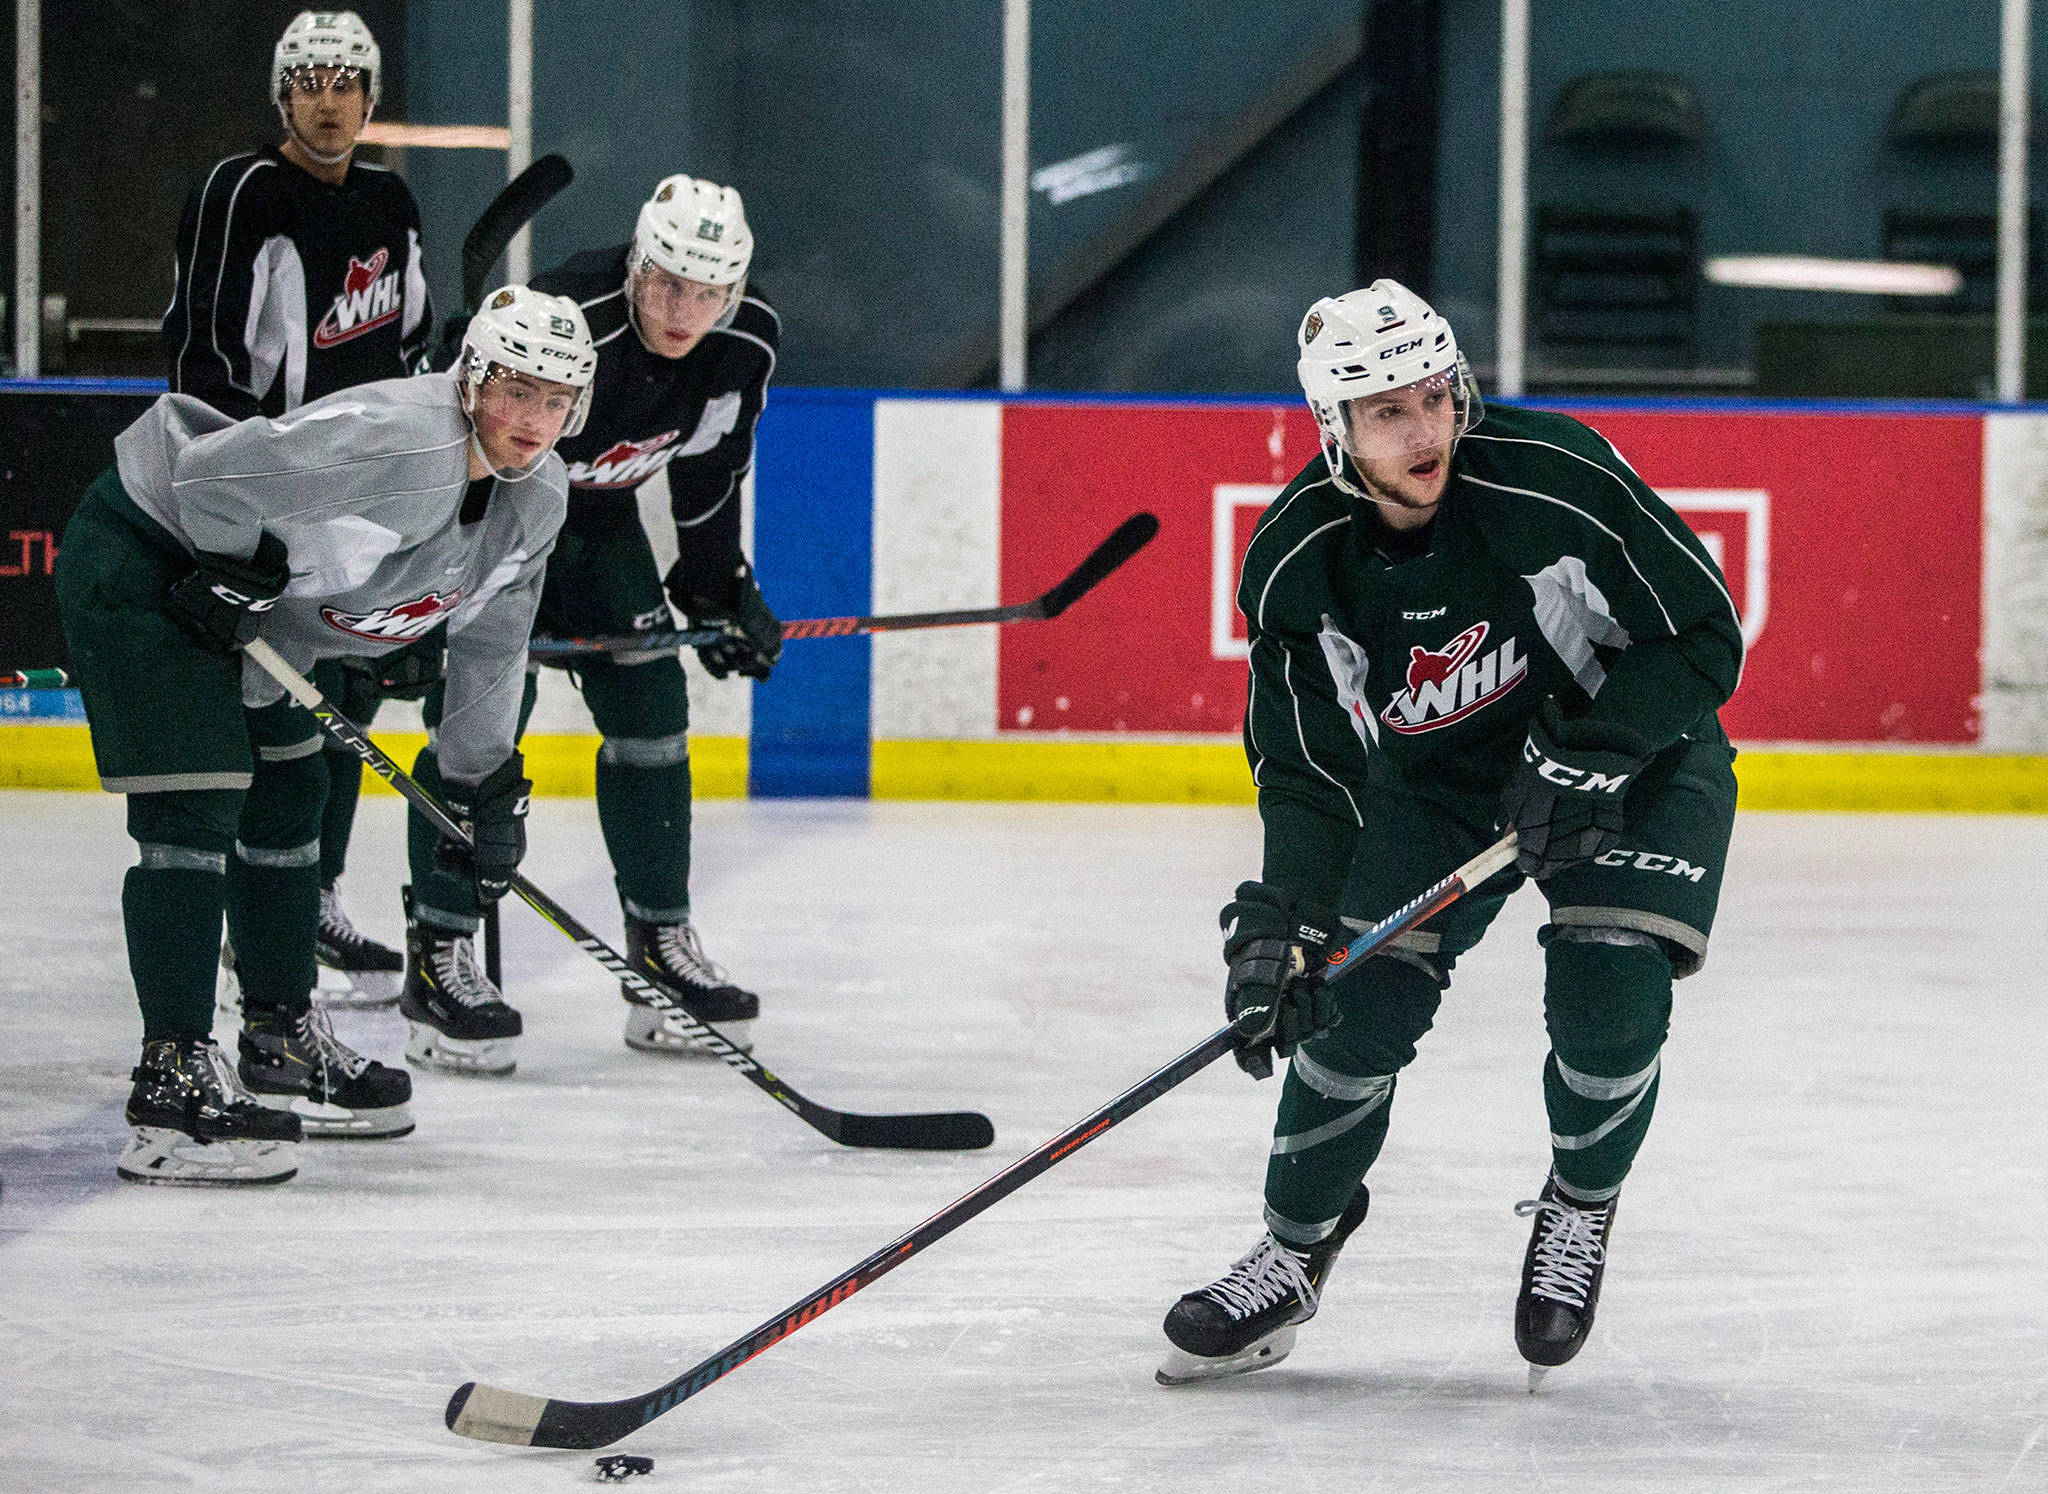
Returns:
point(338, 1122)
point(161, 1156)
point(1536, 1374)
point(428, 1047)
point(643, 1036)
point(1183, 1368)
point(357, 990)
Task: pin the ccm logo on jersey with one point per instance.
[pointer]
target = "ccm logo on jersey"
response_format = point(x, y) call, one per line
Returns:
point(624, 464)
point(1448, 685)
point(406, 621)
point(369, 298)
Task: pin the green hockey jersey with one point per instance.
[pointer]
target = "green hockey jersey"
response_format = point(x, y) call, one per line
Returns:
point(1413, 663)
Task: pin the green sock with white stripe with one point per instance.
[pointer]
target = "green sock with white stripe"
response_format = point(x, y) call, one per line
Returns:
point(1329, 1131)
point(1607, 1005)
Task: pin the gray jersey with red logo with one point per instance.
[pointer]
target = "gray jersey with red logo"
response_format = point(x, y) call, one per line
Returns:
point(365, 488)
point(1414, 662)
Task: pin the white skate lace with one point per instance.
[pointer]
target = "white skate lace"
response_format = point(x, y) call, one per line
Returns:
point(334, 922)
point(328, 1050)
point(227, 1085)
point(455, 963)
point(679, 949)
point(1567, 1250)
point(1261, 1279)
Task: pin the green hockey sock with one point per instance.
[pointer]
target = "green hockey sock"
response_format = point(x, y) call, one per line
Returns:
point(338, 821)
point(170, 906)
point(645, 814)
point(441, 898)
point(273, 915)
point(1607, 1003)
point(1329, 1131)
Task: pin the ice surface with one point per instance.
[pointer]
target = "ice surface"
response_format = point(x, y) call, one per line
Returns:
point(1828, 1269)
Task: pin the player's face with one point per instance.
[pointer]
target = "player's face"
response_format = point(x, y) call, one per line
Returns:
point(675, 313)
point(518, 417)
point(328, 106)
point(1401, 441)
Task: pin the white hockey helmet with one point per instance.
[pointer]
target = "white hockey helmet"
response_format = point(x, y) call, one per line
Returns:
point(695, 230)
point(530, 332)
point(1371, 342)
point(327, 38)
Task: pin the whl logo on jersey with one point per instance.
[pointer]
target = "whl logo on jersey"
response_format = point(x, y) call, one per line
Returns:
point(624, 464)
point(369, 298)
point(1448, 685)
point(400, 624)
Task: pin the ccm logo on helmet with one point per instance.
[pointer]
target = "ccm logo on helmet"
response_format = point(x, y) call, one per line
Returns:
point(1585, 780)
point(1399, 348)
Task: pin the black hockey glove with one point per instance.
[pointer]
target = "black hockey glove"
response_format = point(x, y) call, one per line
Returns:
point(1270, 946)
point(494, 814)
point(1565, 798)
point(222, 602)
point(753, 635)
point(408, 673)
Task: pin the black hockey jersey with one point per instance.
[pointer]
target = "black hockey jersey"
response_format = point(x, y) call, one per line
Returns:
point(289, 288)
point(694, 415)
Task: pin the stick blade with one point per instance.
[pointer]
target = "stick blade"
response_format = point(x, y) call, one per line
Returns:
point(1126, 540)
point(489, 1414)
point(943, 1131)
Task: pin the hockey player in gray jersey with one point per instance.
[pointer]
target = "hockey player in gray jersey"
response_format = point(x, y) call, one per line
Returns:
point(350, 526)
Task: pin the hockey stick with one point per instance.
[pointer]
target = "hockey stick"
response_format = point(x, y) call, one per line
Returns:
point(944, 1131)
point(1126, 540)
point(492, 1415)
point(35, 679)
point(511, 210)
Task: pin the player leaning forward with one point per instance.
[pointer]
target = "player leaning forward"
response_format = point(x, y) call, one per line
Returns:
point(688, 350)
point(1457, 623)
point(432, 499)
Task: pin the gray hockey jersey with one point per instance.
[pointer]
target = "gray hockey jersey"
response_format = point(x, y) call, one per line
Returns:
point(365, 488)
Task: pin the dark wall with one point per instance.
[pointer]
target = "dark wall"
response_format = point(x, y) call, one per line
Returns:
point(139, 98)
point(1796, 97)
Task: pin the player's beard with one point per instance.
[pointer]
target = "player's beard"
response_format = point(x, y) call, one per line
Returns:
point(1393, 482)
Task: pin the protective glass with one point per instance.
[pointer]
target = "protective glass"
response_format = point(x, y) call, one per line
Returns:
point(515, 403)
point(1417, 417)
point(678, 303)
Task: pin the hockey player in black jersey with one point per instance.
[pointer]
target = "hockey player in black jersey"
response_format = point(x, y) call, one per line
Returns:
point(686, 352)
point(298, 274)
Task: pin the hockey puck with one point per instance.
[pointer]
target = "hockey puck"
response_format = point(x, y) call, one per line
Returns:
point(616, 1468)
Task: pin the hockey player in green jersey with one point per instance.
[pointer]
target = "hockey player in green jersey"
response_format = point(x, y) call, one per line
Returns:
point(351, 526)
point(1462, 620)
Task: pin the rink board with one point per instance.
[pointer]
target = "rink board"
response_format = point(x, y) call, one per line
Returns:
point(1890, 563)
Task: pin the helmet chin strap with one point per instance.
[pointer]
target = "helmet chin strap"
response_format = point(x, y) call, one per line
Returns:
point(510, 474)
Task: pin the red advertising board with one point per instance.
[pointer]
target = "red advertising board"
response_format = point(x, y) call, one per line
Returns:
point(1851, 542)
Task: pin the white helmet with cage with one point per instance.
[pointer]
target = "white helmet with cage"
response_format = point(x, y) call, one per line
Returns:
point(522, 330)
point(327, 38)
point(694, 230)
point(1370, 343)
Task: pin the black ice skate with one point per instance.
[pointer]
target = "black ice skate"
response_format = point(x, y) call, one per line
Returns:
point(355, 970)
point(1561, 1274)
point(672, 954)
point(298, 1064)
point(1246, 1321)
point(458, 1022)
point(195, 1124)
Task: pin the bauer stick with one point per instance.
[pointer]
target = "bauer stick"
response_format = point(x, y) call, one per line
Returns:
point(946, 1131)
point(493, 1415)
point(1126, 540)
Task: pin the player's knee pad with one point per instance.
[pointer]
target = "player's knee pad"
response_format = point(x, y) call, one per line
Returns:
point(1384, 1009)
point(1606, 998)
point(200, 823)
point(281, 814)
point(639, 702)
